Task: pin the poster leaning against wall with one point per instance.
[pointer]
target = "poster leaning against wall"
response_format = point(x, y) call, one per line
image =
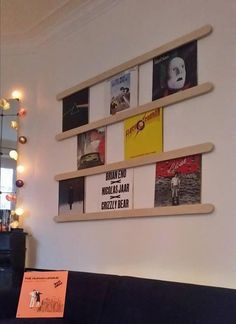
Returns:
point(43, 294)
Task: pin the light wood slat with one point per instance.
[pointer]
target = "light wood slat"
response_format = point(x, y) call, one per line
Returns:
point(197, 34)
point(163, 102)
point(139, 161)
point(132, 213)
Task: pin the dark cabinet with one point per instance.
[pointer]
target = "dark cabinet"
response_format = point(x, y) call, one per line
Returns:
point(12, 258)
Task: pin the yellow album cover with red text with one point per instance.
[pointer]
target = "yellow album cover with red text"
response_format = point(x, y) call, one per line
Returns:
point(143, 134)
point(42, 294)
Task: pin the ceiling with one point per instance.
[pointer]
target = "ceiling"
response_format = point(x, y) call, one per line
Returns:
point(21, 19)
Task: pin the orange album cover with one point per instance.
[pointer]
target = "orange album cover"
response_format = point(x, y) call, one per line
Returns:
point(42, 294)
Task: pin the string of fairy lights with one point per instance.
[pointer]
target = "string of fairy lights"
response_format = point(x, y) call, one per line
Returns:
point(5, 111)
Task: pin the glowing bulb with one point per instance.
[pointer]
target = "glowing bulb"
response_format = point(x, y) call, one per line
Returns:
point(13, 155)
point(14, 224)
point(20, 168)
point(22, 112)
point(19, 211)
point(16, 94)
point(14, 124)
point(4, 104)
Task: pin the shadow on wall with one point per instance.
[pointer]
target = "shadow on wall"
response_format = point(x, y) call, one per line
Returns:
point(31, 251)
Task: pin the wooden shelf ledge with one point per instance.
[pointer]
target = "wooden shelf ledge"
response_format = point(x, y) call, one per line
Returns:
point(139, 161)
point(132, 213)
point(163, 102)
point(194, 35)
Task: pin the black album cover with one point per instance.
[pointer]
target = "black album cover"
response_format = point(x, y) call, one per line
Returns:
point(71, 196)
point(175, 70)
point(75, 110)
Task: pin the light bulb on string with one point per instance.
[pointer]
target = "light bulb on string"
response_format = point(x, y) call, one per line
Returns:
point(13, 155)
point(22, 112)
point(19, 183)
point(19, 211)
point(22, 139)
point(15, 220)
point(16, 94)
point(4, 104)
point(11, 197)
point(14, 224)
point(20, 168)
point(14, 124)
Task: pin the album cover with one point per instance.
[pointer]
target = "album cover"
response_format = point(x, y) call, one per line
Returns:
point(175, 71)
point(42, 294)
point(178, 181)
point(71, 196)
point(123, 90)
point(91, 148)
point(75, 110)
point(143, 134)
point(113, 191)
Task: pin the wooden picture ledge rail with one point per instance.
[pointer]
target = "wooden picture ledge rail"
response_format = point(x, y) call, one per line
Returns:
point(144, 212)
point(144, 160)
point(139, 161)
point(196, 34)
point(163, 102)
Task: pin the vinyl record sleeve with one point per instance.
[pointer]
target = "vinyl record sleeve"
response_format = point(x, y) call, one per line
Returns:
point(42, 294)
point(178, 181)
point(143, 134)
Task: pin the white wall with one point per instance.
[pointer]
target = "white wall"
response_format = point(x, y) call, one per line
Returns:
point(199, 249)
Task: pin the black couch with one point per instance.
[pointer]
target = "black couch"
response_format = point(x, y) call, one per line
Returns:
point(110, 299)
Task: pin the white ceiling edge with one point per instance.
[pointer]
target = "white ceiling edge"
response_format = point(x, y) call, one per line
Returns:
point(20, 16)
point(56, 26)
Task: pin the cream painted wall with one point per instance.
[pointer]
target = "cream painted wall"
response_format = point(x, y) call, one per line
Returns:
point(197, 249)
